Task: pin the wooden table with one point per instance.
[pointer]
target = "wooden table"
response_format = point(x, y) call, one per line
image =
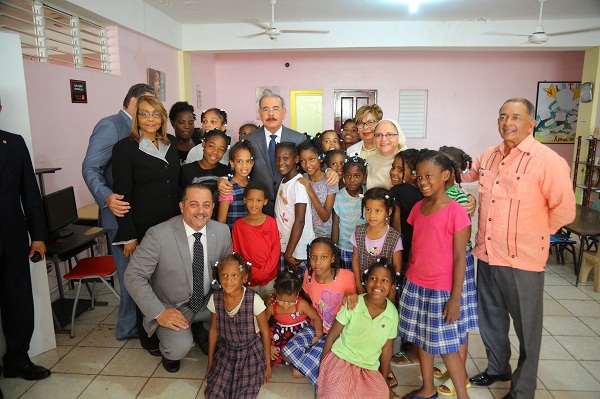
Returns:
point(585, 225)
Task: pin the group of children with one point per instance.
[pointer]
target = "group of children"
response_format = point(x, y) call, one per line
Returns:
point(341, 292)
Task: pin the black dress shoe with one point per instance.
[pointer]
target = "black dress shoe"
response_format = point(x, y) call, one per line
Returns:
point(484, 379)
point(29, 372)
point(172, 366)
point(200, 335)
point(154, 352)
point(507, 396)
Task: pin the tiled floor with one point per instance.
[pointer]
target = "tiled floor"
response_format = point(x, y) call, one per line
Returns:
point(95, 365)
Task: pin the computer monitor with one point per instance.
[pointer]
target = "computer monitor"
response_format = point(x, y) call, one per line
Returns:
point(61, 211)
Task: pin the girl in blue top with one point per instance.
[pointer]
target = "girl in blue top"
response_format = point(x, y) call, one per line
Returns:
point(232, 206)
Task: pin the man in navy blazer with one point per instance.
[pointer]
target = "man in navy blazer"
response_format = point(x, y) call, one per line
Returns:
point(272, 111)
point(21, 216)
point(97, 173)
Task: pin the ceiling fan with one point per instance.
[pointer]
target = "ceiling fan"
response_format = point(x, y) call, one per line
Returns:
point(273, 32)
point(539, 36)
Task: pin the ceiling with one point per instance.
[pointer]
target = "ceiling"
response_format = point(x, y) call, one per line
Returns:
point(232, 25)
point(235, 11)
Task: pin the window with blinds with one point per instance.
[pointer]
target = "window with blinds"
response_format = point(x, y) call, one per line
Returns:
point(55, 36)
point(413, 113)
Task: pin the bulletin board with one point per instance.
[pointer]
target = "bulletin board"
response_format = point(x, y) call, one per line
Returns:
point(557, 105)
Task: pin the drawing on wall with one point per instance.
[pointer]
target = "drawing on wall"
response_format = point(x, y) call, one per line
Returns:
point(556, 107)
point(258, 92)
point(156, 79)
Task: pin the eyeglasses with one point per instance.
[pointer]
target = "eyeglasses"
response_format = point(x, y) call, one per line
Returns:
point(369, 123)
point(387, 135)
point(266, 110)
point(145, 114)
point(279, 301)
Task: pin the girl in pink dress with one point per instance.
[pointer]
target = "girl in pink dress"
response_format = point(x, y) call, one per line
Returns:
point(432, 310)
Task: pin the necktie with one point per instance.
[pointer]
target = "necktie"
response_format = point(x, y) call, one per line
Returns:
point(272, 144)
point(197, 299)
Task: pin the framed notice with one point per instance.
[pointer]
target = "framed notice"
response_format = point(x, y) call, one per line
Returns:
point(78, 91)
point(557, 105)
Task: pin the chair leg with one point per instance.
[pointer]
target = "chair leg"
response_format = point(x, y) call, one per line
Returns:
point(93, 294)
point(110, 287)
point(75, 308)
point(584, 272)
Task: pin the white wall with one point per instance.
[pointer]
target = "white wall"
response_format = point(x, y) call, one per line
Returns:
point(15, 119)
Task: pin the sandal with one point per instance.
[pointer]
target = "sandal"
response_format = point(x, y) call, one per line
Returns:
point(440, 370)
point(449, 385)
point(397, 359)
point(391, 380)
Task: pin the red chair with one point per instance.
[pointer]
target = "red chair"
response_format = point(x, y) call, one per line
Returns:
point(90, 270)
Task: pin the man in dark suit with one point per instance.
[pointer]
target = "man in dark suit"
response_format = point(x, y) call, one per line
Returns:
point(97, 173)
point(21, 216)
point(272, 112)
point(169, 274)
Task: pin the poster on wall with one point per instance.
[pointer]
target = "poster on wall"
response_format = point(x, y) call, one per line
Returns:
point(156, 79)
point(556, 107)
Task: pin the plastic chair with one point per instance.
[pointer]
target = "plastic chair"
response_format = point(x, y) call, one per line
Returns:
point(90, 270)
point(591, 260)
point(562, 242)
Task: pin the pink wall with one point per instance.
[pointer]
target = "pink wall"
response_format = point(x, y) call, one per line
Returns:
point(465, 88)
point(60, 130)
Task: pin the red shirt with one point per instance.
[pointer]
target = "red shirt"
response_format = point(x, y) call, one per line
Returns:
point(260, 246)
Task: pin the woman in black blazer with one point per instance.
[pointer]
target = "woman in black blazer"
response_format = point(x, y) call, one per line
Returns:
point(146, 172)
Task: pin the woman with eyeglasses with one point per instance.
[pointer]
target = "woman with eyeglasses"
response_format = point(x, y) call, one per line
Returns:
point(146, 172)
point(366, 119)
point(389, 140)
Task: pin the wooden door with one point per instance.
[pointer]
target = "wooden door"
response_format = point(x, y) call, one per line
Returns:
point(348, 101)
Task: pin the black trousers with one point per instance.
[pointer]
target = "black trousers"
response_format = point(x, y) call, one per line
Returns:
point(16, 299)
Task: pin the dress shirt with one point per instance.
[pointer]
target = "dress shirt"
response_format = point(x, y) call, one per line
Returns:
point(189, 232)
point(268, 135)
point(524, 197)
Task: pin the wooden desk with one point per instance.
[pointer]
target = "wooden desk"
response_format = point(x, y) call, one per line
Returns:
point(585, 225)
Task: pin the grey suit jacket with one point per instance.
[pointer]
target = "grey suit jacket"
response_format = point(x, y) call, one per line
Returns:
point(97, 165)
point(262, 166)
point(159, 274)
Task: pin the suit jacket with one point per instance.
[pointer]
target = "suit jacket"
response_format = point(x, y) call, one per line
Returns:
point(148, 183)
point(262, 166)
point(21, 209)
point(159, 274)
point(97, 164)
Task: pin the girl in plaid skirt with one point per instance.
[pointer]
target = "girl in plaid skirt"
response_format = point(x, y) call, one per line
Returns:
point(232, 206)
point(432, 309)
point(291, 313)
point(349, 368)
point(239, 367)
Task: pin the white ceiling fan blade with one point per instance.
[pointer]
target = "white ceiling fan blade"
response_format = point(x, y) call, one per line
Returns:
point(504, 34)
point(303, 31)
point(253, 35)
point(257, 23)
point(573, 32)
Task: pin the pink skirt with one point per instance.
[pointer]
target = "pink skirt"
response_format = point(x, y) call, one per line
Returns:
point(339, 379)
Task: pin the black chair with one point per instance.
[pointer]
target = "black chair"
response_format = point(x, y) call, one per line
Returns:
point(562, 242)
